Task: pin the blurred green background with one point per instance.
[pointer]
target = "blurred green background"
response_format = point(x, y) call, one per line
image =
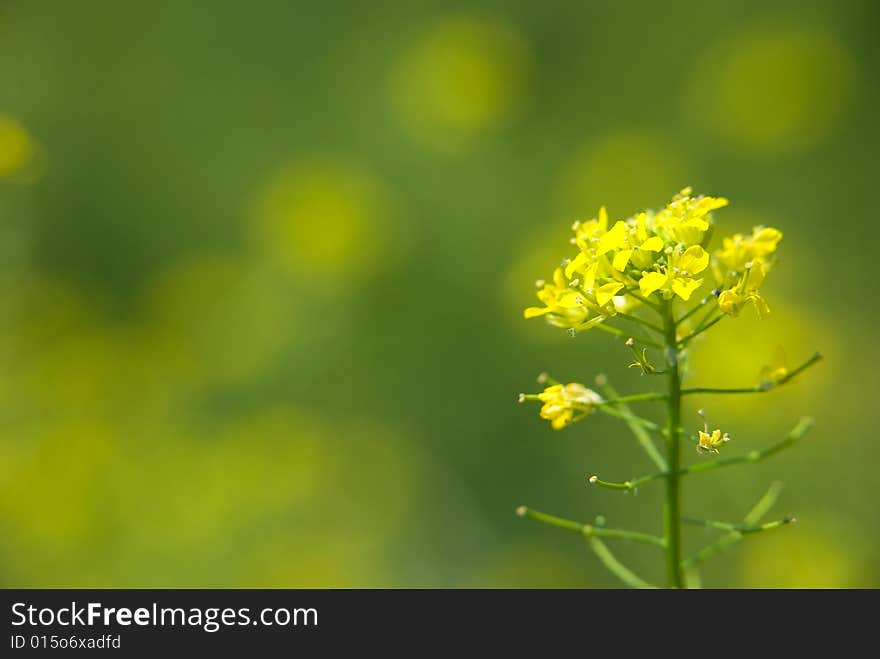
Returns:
point(264, 264)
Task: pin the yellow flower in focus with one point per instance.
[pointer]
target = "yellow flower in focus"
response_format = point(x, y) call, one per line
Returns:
point(567, 306)
point(711, 442)
point(565, 404)
point(732, 300)
point(739, 250)
point(686, 219)
point(677, 277)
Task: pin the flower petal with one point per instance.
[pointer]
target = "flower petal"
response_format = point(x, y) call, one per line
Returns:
point(614, 239)
point(652, 281)
point(621, 259)
point(685, 286)
point(606, 292)
point(652, 244)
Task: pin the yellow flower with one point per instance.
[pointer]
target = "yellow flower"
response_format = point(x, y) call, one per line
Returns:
point(732, 300)
point(686, 219)
point(736, 252)
point(566, 403)
point(775, 372)
point(711, 442)
point(676, 278)
point(569, 306)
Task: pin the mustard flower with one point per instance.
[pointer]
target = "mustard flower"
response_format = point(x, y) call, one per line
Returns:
point(739, 250)
point(565, 306)
point(676, 278)
point(687, 219)
point(563, 404)
point(710, 442)
point(732, 300)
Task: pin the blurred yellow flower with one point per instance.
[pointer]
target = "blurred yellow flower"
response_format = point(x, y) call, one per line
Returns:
point(775, 87)
point(567, 307)
point(19, 152)
point(732, 300)
point(740, 267)
point(603, 172)
point(465, 75)
point(324, 215)
point(565, 404)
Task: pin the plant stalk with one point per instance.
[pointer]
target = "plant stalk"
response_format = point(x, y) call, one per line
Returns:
point(672, 507)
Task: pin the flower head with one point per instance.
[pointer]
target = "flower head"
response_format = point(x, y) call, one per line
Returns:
point(710, 442)
point(732, 300)
point(687, 219)
point(649, 253)
point(563, 404)
point(677, 276)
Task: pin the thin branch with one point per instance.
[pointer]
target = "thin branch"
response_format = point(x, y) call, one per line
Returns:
point(614, 566)
point(610, 329)
point(637, 425)
point(640, 321)
point(696, 308)
point(589, 530)
point(757, 389)
point(751, 519)
point(702, 328)
point(742, 529)
point(627, 486)
point(634, 398)
point(801, 428)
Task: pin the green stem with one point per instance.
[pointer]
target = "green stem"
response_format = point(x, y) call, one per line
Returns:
point(637, 425)
point(589, 530)
point(635, 398)
point(640, 321)
point(728, 540)
point(628, 486)
point(801, 428)
point(738, 528)
point(759, 389)
point(699, 306)
point(672, 507)
point(610, 329)
point(614, 566)
point(702, 328)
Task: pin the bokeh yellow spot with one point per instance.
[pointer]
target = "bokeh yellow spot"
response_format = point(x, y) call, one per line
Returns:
point(773, 88)
point(20, 155)
point(323, 219)
point(216, 319)
point(818, 553)
point(466, 75)
point(621, 171)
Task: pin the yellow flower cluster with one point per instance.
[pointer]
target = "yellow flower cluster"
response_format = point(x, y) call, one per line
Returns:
point(740, 268)
point(563, 404)
point(649, 253)
point(654, 255)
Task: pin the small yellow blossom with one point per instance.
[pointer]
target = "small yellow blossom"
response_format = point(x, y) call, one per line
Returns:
point(711, 442)
point(732, 300)
point(738, 251)
point(686, 219)
point(564, 306)
point(676, 278)
point(566, 403)
point(775, 372)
